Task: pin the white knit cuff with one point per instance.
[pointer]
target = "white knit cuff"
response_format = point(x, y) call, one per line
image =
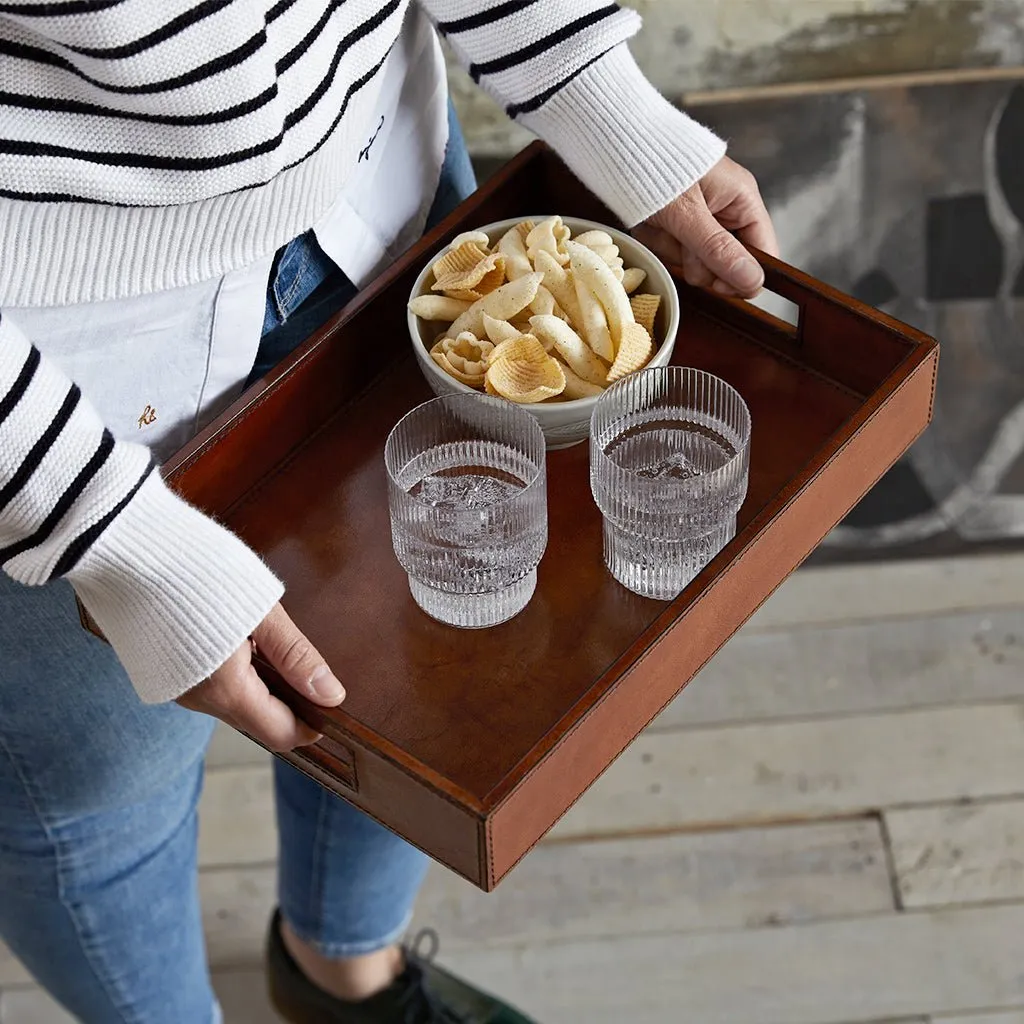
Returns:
point(623, 139)
point(174, 592)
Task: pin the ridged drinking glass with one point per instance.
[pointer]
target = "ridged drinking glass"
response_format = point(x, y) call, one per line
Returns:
point(669, 462)
point(467, 490)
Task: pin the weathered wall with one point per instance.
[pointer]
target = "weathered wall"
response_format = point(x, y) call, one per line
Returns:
point(699, 45)
point(912, 199)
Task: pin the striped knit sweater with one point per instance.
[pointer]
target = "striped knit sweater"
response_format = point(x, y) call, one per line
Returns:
point(145, 146)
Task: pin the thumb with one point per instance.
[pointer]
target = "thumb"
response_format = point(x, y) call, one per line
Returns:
point(698, 230)
point(286, 648)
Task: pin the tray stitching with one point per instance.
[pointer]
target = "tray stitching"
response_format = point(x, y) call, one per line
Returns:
point(655, 644)
point(477, 815)
point(486, 847)
point(935, 378)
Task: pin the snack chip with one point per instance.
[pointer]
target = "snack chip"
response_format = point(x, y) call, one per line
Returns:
point(469, 272)
point(464, 358)
point(501, 350)
point(524, 227)
point(594, 239)
point(523, 372)
point(635, 351)
point(499, 330)
point(575, 385)
point(468, 353)
point(592, 273)
point(538, 316)
point(477, 237)
point(512, 246)
point(548, 236)
point(604, 245)
point(593, 323)
point(609, 253)
point(571, 347)
point(633, 278)
point(544, 303)
point(438, 307)
point(558, 281)
point(645, 309)
point(502, 304)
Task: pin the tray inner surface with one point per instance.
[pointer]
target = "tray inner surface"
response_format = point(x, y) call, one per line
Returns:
point(448, 696)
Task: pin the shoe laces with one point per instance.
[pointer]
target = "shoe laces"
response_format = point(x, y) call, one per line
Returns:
point(421, 1005)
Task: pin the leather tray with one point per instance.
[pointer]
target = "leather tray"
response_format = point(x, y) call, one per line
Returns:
point(471, 745)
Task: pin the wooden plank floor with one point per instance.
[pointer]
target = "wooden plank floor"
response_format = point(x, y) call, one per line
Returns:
point(827, 827)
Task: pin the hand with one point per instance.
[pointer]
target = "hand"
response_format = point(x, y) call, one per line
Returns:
point(693, 231)
point(235, 693)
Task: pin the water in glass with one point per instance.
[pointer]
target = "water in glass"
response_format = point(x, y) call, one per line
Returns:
point(669, 466)
point(468, 513)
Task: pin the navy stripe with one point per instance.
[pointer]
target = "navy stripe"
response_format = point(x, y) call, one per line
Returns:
point(20, 386)
point(74, 552)
point(278, 9)
point(16, 147)
point(528, 106)
point(175, 26)
point(346, 44)
point(241, 53)
point(38, 451)
point(510, 60)
point(56, 10)
point(64, 106)
point(51, 197)
point(309, 38)
point(293, 118)
point(66, 500)
point(451, 28)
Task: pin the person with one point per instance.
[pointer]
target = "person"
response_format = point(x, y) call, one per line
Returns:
point(186, 190)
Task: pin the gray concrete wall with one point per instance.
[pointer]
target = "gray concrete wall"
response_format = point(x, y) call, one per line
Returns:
point(707, 45)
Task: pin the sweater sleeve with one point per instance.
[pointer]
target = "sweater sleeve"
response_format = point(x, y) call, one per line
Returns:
point(174, 592)
point(562, 68)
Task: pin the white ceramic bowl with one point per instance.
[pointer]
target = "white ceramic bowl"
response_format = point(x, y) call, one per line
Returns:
point(564, 423)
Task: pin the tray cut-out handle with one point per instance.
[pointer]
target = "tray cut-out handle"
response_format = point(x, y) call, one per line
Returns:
point(328, 754)
point(781, 305)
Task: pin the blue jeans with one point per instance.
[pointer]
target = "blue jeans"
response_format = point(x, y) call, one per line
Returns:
point(98, 792)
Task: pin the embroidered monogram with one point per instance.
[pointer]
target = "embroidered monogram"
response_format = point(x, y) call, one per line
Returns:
point(148, 416)
point(364, 154)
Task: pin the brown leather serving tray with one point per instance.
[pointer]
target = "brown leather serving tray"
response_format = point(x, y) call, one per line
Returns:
point(472, 744)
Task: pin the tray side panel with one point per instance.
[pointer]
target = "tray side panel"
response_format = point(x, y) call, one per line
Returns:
point(358, 769)
point(655, 679)
point(836, 336)
point(407, 806)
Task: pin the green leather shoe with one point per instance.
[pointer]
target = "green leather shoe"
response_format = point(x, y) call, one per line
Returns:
point(422, 994)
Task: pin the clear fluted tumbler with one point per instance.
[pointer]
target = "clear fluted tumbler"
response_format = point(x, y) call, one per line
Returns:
point(467, 490)
point(669, 461)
